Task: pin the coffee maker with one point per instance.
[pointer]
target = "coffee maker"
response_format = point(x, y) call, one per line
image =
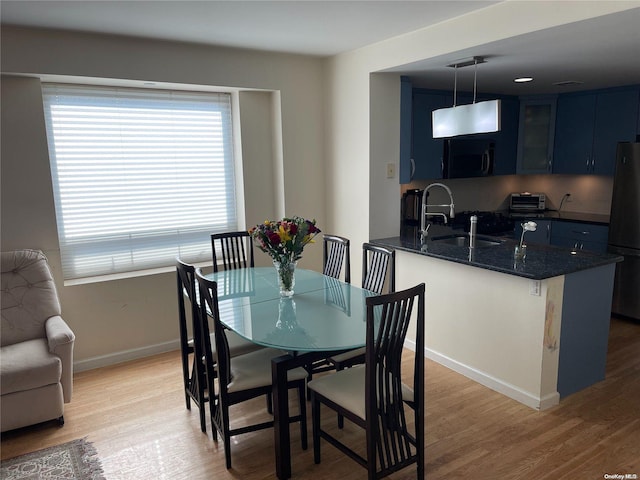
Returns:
point(410, 210)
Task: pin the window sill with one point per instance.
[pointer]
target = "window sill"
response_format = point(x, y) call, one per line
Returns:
point(125, 275)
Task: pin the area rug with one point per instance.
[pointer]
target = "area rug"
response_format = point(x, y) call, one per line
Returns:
point(75, 460)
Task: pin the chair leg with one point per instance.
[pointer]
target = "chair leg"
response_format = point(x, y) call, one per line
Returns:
point(203, 419)
point(309, 369)
point(227, 444)
point(269, 403)
point(188, 380)
point(302, 400)
point(340, 366)
point(315, 422)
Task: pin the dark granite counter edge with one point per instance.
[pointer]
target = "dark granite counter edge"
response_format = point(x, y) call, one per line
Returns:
point(578, 217)
point(542, 261)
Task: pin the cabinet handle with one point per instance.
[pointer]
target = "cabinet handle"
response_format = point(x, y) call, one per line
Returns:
point(588, 161)
point(584, 232)
point(413, 168)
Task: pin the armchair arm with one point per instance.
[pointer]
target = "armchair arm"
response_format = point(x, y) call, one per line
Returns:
point(61, 339)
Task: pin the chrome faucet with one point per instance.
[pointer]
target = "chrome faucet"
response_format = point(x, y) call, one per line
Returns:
point(424, 228)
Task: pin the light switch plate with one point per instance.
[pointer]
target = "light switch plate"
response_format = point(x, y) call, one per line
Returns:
point(391, 170)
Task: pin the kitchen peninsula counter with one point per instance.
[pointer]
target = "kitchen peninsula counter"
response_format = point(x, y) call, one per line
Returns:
point(542, 261)
point(535, 331)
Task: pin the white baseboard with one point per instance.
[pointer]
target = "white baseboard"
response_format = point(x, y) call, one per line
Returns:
point(482, 378)
point(124, 356)
point(511, 391)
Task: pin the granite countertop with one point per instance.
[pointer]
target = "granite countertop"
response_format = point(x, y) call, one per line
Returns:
point(542, 261)
point(579, 217)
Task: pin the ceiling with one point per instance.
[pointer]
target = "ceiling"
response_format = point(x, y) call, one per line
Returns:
point(303, 26)
point(600, 52)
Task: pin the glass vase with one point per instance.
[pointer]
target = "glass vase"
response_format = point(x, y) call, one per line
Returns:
point(286, 276)
point(520, 252)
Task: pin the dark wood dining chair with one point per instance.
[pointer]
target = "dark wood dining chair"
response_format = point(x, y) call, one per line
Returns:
point(195, 384)
point(373, 395)
point(186, 282)
point(235, 249)
point(378, 270)
point(240, 378)
point(335, 254)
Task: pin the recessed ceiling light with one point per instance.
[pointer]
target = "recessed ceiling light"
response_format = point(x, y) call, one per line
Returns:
point(523, 79)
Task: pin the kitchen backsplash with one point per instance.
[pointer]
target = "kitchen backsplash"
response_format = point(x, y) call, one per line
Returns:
point(589, 193)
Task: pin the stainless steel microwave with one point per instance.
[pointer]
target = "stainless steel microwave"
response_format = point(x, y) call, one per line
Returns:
point(468, 157)
point(527, 202)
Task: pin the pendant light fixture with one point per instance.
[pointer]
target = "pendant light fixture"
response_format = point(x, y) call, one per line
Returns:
point(477, 117)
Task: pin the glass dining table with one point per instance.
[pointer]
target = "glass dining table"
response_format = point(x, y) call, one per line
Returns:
point(324, 316)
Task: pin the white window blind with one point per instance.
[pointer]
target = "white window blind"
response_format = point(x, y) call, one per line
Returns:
point(139, 176)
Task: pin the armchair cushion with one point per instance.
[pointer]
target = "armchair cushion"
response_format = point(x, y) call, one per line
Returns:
point(28, 365)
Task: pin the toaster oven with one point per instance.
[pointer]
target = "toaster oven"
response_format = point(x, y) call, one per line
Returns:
point(527, 202)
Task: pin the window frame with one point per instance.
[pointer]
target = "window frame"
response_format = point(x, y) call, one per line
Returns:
point(232, 145)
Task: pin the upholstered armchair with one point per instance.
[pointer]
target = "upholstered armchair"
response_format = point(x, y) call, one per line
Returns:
point(36, 353)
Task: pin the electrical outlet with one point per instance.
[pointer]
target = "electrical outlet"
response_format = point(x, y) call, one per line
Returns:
point(534, 288)
point(391, 170)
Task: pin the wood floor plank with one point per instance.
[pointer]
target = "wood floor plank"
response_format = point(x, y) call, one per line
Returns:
point(135, 415)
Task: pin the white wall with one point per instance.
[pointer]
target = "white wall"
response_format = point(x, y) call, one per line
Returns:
point(126, 318)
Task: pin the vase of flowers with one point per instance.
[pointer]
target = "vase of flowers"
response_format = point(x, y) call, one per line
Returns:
point(520, 251)
point(284, 241)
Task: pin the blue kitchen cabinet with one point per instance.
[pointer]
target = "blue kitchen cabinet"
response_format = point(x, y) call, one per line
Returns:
point(580, 236)
point(574, 133)
point(406, 99)
point(615, 122)
point(427, 151)
point(589, 126)
point(506, 150)
point(536, 129)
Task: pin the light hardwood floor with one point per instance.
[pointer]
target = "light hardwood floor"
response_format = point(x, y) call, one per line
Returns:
point(134, 413)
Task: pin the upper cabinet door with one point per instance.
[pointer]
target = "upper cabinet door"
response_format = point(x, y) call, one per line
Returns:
point(616, 116)
point(427, 151)
point(536, 132)
point(574, 133)
point(589, 127)
point(406, 94)
point(507, 138)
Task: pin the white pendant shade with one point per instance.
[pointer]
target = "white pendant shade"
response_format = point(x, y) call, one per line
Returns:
point(480, 117)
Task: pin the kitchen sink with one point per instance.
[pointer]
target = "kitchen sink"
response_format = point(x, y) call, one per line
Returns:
point(463, 241)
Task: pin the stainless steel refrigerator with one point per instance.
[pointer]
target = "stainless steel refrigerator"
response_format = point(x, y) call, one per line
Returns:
point(624, 230)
